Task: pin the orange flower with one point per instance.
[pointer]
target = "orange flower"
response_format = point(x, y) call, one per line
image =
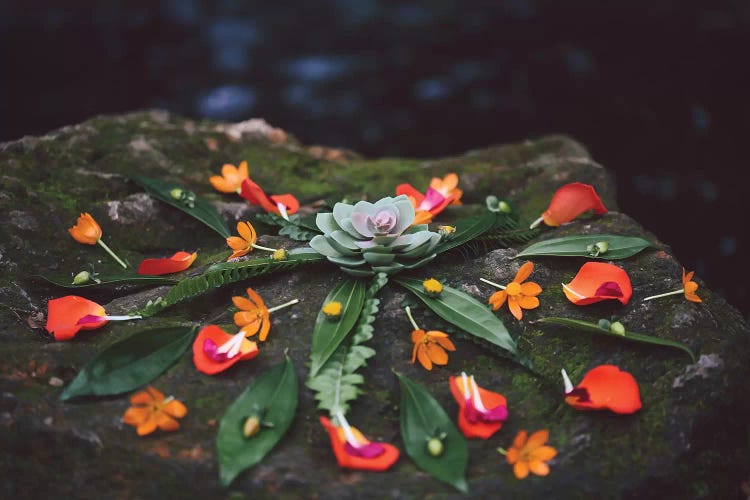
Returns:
point(448, 187)
point(480, 412)
point(597, 281)
point(86, 230)
point(281, 204)
point(151, 410)
point(230, 180)
point(254, 316)
point(570, 201)
point(520, 295)
point(246, 241)
point(176, 263)
point(354, 451)
point(530, 454)
point(429, 347)
point(214, 350)
point(604, 387)
point(64, 313)
point(689, 288)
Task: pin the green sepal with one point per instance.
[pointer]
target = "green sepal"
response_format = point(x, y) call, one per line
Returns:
point(620, 247)
point(131, 363)
point(272, 397)
point(422, 418)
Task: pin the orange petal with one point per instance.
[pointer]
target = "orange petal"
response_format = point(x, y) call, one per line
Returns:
point(242, 171)
point(520, 440)
point(512, 456)
point(422, 217)
point(165, 422)
point(380, 463)
point(86, 230)
point(141, 398)
point(417, 336)
point(537, 439)
point(594, 283)
point(570, 201)
point(247, 231)
point(175, 408)
point(147, 427)
point(238, 244)
point(521, 469)
point(423, 358)
point(539, 468)
point(265, 328)
point(444, 342)
point(437, 354)
point(244, 304)
point(63, 315)
point(155, 393)
point(174, 264)
point(524, 272)
point(256, 298)
point(211, 367)
point(136, 415)
point(515, 308)
point(528, 302)
point(606, 387)
point(497, 299)
point(220, 184)
point(543, 453)
point(530, 289)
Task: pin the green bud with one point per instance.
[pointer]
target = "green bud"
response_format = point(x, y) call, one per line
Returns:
point(504, 207)
point(435, 447)
point(604, 324)
point(251, 426)
point(81, 278)
point(176, 193)
point(602, 246)
point(617, 328)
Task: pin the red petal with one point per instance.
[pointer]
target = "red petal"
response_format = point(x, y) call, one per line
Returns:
point(570, 201)
point(64, 313)
point(411, 192)
point(380, 463)
point(610, 388)
point(289, 201)
point(253, 193)
point(483, 430)
point(174, 264)
point(597, 281)
point(204, 363)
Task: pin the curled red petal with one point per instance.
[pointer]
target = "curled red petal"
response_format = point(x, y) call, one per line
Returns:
point(253, 193)
point(63, 315)
point(597, 281)
point(174, 264)
point(289, 201)
point(205, 363)
point(606, 387)
point(411, 192)
point(478, 428)
point(570, 201)
point(379, 463)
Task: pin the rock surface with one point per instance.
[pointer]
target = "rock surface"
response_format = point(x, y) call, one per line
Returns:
point(688, 441)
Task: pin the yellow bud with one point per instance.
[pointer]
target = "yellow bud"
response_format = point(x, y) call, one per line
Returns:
point(251, 427)
point(279, 254)
point(432, 287)
point(332, 310)
point(81, 278)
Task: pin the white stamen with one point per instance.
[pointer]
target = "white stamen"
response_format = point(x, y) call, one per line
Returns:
point(465, 381)
point(567, 382)
point(571, 291)
point(348, 433)
point(119, 318)
point(282, 209)
point(536, 223)
point(477, 398)
point(232, 346)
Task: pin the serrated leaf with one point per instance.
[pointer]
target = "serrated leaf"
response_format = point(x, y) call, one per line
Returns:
point(422, 418)
point(328, 335)
point(620, 247)
point(632, 336)
point(467, 229)
point(131, 363)
point(110, 280)
point(465, 312)
point(272, 397)
point(197, 207)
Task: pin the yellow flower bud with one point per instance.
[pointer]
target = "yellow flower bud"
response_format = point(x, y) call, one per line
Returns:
point(251, 426)
point(279, 254)
point(81, 278)
point(332, 310)
point(432, 287)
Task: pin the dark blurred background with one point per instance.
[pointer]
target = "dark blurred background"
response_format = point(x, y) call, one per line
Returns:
point(657, 90)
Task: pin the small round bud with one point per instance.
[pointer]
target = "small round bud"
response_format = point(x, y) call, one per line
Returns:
point(279, 254)
point(332, 310)
point(617, 328)
point(251, 426)
point(504, 207)
point(435, 447)
point(602, 246)
point(604, 324)
point(432, 287)
point(176, 193)
point(81, 278)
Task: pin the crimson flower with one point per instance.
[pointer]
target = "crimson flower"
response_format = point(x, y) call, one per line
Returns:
point(354, 451)
point(604, 387)
point(481, 413)
point(570, 201)
point(597, 281)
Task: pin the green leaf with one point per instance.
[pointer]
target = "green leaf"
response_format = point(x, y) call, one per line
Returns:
point(327, 334)
point(272, 398)
point(185, 200)
point(112, 279)
point(620, 247)
point(467, 229)
point(296, 228)
point(422, 418)
point(635, 337)
point(466, 312)
point(131, 363)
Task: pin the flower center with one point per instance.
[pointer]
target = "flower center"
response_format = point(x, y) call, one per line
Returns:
point(384, 221)
point(513, 289)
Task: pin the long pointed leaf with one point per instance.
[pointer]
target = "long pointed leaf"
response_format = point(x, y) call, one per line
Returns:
point(327, 335)
point(464, 311)
point(131, 363)
point(635, 337)
point(272, 398)
point(422, 418)
point(111, 279)
point(620, 247)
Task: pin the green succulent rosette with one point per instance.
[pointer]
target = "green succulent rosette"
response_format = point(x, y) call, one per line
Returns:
point(369, 238)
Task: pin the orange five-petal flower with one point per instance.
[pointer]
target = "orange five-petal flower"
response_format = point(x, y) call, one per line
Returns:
point(430, 347)
point(174, 264)
point(530, 454)
point(570, 201)
point(242, 244)
point(480, 412)
point(520, 295)
point(689, 286)
point(151, 410)
point(253, 315)
point(86, 230)
point(597, 281)
point(214, 350)
point(230, 180)
point(354, 451)
point(604, 387)
point(63, 315)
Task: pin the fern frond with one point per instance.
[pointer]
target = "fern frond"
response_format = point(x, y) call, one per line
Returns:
point(296, 227)
point(336, 383)
point(225, 273)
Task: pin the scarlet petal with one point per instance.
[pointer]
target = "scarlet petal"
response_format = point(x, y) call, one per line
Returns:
point(478, 429)
point(610, 388)
point(411, 192)
point(289, 201)
point(174, 264)
point(381, 462)
point(602, 278)
point(570, 201)
point(64, 313)
point(203, 361)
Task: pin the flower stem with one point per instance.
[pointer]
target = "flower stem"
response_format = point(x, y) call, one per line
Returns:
point(502, 451)
point(413, 323)
point(109, 251)
point(258, 247)
point(282, 306)
point(501, 287)
point(676, 292)
point(536, 223)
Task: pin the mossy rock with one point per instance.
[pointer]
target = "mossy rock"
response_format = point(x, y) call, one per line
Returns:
point(688, 441)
